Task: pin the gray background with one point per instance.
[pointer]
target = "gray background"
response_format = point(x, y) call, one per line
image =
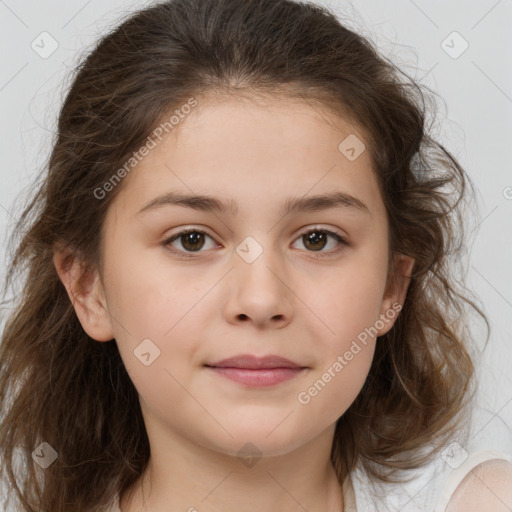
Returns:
point(474, 123)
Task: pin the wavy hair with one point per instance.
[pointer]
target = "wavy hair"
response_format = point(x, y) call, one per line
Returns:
point(60, 387)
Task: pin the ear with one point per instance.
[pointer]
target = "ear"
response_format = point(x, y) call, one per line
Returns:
point(396, 289)
point(85, 290)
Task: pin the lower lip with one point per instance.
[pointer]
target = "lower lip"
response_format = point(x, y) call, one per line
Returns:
point(258, 378)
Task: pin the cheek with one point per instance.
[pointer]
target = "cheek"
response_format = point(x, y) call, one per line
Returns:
point(350, 301)
point(331, 392)
point(148, 303)
point(349, 307)
point(151, 305)
point(145, 296)
point(344, 356)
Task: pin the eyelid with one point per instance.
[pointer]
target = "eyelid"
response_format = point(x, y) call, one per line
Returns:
point(320, 227)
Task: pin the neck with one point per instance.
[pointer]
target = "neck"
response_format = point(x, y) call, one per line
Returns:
point(186, 477)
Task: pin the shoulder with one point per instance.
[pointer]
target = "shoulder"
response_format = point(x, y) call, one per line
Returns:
point(487, 487)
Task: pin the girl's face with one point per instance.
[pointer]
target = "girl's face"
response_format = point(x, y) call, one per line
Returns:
point(266, 276)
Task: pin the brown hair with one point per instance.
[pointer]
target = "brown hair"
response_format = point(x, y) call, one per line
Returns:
point(59, 386)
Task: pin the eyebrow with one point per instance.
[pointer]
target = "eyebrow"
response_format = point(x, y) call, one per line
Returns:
point(207, 203)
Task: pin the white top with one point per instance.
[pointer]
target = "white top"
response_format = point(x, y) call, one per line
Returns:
point(434, 484)
point(430, 491)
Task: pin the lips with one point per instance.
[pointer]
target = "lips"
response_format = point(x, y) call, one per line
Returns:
point(250, 362)
point(252, 371)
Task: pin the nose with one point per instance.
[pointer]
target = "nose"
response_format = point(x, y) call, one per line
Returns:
point(259, 291)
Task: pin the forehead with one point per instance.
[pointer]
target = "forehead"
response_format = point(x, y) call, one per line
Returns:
point(286, 128)
point(248, 150)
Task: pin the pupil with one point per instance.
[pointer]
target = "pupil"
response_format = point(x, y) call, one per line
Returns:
point(313, 237)
point(191, 240)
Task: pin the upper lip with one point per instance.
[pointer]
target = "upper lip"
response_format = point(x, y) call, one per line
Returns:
point(255, 363)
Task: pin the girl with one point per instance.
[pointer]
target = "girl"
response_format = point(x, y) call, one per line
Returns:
point(237, 293)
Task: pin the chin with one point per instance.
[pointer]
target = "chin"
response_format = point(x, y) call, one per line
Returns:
point(256, 442)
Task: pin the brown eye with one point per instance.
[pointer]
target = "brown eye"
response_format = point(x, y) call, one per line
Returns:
point(190, 240)
point(316, 239)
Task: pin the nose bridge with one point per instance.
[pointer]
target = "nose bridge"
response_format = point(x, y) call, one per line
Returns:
point(259, 259)
point(260, 291)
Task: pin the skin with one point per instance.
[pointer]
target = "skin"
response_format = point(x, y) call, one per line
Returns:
point(486, 487)
point(214, 305)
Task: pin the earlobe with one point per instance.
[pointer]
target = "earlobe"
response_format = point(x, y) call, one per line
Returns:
point(396, 291)
point(86, 293)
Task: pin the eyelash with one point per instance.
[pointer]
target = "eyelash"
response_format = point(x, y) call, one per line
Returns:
point(192, 254)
